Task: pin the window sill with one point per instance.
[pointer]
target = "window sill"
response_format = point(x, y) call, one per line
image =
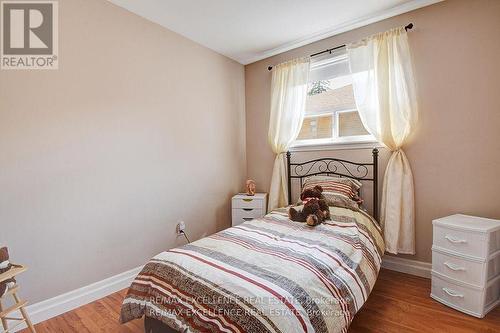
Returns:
point(336, 146)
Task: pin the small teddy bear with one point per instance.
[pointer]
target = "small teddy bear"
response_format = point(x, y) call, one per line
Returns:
point(5, 265)
point(315, 209)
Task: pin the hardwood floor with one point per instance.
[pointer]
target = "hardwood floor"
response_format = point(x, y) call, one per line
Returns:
point(401, 303)
point(398, 303)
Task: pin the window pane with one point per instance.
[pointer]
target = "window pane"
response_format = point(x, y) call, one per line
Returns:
point(327, 96)
point(350, 124)
point(330, 85)
point(319, 127)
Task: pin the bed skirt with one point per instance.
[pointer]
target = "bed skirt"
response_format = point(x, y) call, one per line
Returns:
point(152, 325)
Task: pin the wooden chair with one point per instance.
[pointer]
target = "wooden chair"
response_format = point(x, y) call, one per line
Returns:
point(18, 304)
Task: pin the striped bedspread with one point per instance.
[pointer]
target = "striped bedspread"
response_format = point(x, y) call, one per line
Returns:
point(265, 275)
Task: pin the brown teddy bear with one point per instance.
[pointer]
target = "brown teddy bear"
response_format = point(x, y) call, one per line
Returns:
point(315, 209)
point(5, 265)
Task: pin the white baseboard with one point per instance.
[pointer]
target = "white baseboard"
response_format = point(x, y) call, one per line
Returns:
point(55, 306)
point(408, 266)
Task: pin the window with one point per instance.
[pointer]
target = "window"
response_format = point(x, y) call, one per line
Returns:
point(331, 115)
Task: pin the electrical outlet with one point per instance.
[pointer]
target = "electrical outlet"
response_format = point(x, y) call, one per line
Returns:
point(181, 227)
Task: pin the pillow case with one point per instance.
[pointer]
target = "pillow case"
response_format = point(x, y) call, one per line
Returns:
point(335, 200)
point(337, 190)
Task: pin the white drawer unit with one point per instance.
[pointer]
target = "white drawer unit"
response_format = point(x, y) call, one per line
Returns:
point(246, 208)
point(466, 263)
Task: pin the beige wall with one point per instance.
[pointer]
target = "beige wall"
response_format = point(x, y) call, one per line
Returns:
point(97, 162)
point(455, 152)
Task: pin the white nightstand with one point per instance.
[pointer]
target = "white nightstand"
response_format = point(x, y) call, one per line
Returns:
point(246, 208)
point(466, 263)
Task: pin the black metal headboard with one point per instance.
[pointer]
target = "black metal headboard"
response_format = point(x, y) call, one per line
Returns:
point(335, 166)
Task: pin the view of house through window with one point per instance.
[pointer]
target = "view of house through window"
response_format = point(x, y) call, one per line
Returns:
point(331, 115)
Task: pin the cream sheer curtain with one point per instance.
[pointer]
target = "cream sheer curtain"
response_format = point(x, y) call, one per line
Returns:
point(288, 101)
point(384, 90)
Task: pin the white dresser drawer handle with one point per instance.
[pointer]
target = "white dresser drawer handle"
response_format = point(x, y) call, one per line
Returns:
point(248, 209)
point(455, 240)
point(247, 200)
point(452, 293)
point(248, 218)
point(454, 267)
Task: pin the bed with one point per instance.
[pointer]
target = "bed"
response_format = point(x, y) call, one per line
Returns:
point(269, 274)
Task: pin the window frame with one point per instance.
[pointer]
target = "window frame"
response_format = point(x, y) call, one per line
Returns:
point(335, 140)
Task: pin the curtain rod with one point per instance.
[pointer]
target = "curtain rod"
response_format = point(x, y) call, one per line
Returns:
point(407, 27)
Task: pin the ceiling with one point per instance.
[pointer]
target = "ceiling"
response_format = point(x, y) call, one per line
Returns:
point(251, 30)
